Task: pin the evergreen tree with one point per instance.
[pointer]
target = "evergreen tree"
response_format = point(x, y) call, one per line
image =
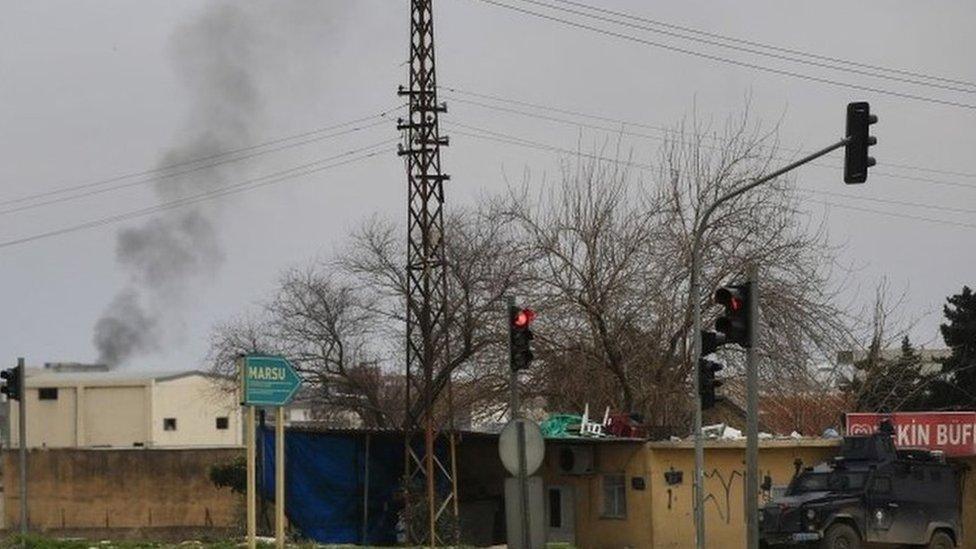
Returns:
point(889, 385)
point(956, 388)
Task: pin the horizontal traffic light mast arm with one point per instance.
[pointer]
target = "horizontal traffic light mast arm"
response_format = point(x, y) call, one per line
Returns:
point(761, 180)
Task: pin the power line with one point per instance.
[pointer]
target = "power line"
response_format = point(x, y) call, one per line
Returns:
point(214, 156)
point(736, 62)
point(277, 177)
point(518, 141)
point(936, 207)
point(659, 128)
point(713, 138)
point(825, 59)
point(899, 215)
point(171, 175)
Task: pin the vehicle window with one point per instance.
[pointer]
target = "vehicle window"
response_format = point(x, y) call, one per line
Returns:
point(836, 481)
point(881, 485)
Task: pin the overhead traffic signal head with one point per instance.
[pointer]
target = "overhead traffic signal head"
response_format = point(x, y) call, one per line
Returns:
point(734, 325)
point(856, 159)
point(520, 337)
point(707, 384)
point(11, 379)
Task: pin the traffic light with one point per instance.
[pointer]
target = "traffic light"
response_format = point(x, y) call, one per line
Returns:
point(520, 337)
point(707, 382)
point(710, 342)
point(733, 326)
point(11, 379)
point(856, 159)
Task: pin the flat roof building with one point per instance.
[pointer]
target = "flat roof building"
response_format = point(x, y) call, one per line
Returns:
point(126, 408)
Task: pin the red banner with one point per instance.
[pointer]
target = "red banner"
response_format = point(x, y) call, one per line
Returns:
point(952, 432)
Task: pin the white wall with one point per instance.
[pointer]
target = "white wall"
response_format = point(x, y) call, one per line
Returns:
point(50, 423)
point(195, 401)
point(115, 416)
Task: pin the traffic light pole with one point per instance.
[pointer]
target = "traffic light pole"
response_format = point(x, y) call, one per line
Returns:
point(752, 413)
point(22, 427)
point(520, 440)
point(695, 291)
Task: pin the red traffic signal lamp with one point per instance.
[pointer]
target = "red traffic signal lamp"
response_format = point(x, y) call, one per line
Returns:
point(734, 326)
point(520, 337)
point(856, 159)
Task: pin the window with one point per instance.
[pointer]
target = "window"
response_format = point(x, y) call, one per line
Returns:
point(555, 508)
point(837, 481)
point(47, 393)
point(881, 485)
point(222, 423)
point(169, 424)
point(614, 496)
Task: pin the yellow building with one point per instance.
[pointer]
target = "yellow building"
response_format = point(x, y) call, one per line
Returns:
point(606, 494)
point(124, 408)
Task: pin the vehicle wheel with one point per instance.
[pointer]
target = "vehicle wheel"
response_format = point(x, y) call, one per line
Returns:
point(941, 540)
point(841, 536)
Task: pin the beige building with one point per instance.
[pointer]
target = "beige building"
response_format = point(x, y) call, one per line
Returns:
point(124, 408)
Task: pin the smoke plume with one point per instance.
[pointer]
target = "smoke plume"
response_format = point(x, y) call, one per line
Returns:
point(168, 256)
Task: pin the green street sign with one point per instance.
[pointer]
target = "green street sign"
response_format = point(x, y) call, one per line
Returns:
point(268, 381)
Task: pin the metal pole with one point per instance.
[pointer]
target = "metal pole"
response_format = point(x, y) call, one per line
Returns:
point(366, 493)
point(22, 427)
point(697, 486)
point(752, 414)
point(259, 473)
point(251, 466)
point(280, 477)
point(695, 298)
point(514, 413)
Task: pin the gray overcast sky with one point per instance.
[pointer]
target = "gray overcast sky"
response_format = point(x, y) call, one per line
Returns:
point(91, 90)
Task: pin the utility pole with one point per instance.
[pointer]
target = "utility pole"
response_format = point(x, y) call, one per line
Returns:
point(427, 364)
point(695, 299)
point(752, 413)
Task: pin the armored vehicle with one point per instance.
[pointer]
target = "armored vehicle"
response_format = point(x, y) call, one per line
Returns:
point(870, 494)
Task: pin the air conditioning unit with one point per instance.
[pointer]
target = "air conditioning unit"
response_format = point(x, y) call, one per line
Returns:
point(576, 460)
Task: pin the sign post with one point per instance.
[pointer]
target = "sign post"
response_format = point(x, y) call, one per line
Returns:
point(267, 381)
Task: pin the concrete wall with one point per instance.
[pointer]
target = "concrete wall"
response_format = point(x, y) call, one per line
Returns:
point(195, 402)
point(72, 489)
point(672, 505)
point(50, 423)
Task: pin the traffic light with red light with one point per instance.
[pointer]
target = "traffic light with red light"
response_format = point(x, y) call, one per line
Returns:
point(520, 337)
point(734, 326)
point(11, 379)
point(856, 159)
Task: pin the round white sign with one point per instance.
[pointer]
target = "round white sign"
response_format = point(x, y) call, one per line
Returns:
point(535, 447)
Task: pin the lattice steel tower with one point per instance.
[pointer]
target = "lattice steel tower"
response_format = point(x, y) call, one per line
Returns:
point(430, 480)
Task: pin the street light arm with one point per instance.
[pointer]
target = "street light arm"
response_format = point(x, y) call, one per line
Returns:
point(703, 222)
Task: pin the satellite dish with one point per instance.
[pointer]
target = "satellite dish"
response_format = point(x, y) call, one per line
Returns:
point(535, 446)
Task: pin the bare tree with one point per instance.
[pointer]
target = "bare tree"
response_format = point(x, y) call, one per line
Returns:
point(610, 269)
point(342, 322)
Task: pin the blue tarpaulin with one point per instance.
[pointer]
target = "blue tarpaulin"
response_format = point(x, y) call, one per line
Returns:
point(325, 474)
